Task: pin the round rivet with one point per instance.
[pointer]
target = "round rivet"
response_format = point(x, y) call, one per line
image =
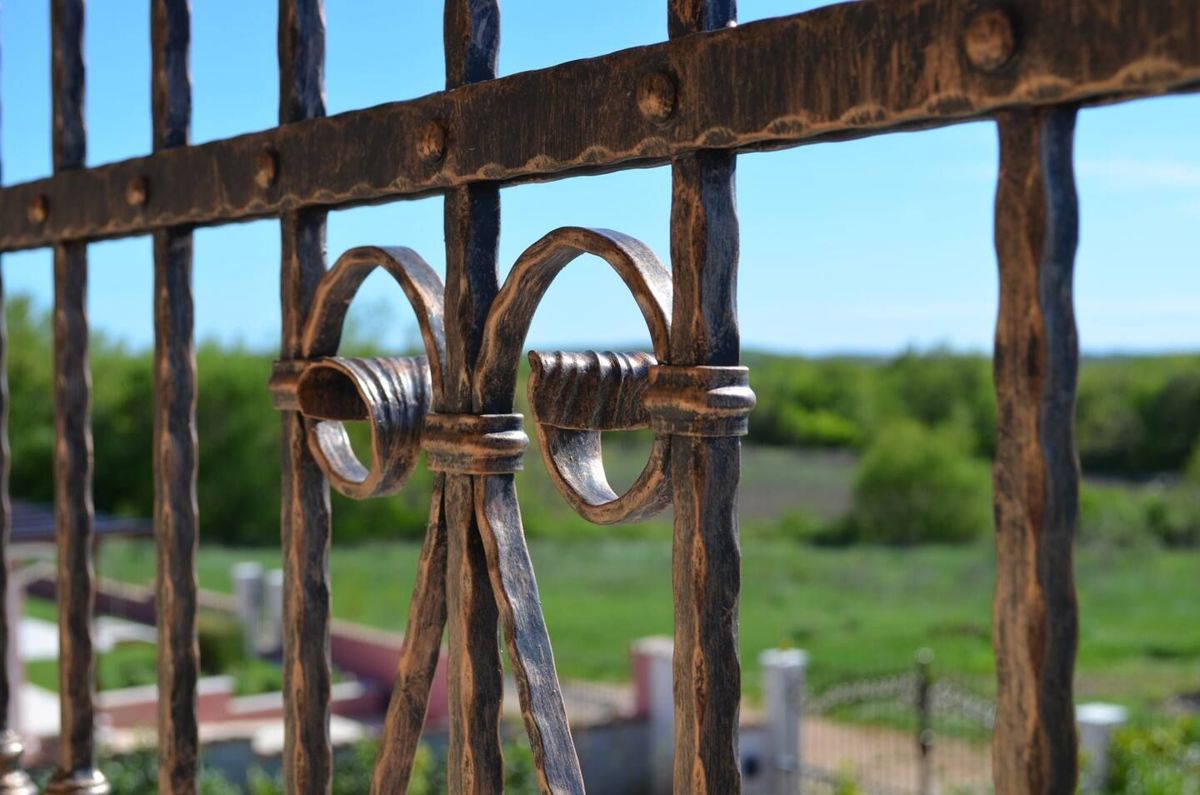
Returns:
point(266, 168)
point(657, 96)
point(990, 39)
point(137, 192)
point(431, 146)
point(38, 210)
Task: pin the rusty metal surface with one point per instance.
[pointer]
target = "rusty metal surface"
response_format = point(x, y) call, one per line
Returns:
point(471, 39)
point(706, 568)
point(1036, 473)
point(332, 389)
point(714, 89)
point(418, 657)
point(575, 463)
point(305, 511)
point(76, 771)
point(576, 396)
point(494, 391)
point(176, 518)
point(846, 70)
point(321, 390)
point(481, 448)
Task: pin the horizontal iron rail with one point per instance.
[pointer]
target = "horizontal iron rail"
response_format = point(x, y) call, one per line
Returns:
point(842, 71)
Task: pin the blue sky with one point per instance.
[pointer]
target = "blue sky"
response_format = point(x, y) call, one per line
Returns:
point(869, 246)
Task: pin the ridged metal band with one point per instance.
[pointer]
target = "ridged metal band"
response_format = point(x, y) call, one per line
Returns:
point(700, 400)
point(392, 394)
point(475, 444)
point(590, 390)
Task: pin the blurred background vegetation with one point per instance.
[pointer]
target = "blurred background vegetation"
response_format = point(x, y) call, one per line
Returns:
point(865, 506)
point(894, 450)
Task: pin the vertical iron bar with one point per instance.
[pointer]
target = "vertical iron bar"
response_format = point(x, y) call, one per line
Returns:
point(472, 225)
point(419, 654)
point(76, 770)
point(13, 778)
point(705, 471)
point(305, 515)
point(1036, 473)
point(175, 510)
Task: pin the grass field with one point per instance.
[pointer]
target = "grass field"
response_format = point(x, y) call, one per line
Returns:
point(775, 481)
point(857, 610)
point(134, 663)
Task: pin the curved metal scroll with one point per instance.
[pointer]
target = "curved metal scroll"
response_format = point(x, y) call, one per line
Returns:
point(496, 505)
point(393, 393)
point(575, 396)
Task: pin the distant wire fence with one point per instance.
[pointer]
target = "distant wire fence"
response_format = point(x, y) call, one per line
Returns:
point(903, 733)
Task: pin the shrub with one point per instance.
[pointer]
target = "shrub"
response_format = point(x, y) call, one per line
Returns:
point(355, 766)
point(1191, 472)
point(1173, 517)
point(1126, 516)
point(799, 526)
point(136, 773)
point(1163, 759)
point(253, 676)
point(916, 485)
point(1112, 516)
point(127, 665)
point(221, 644)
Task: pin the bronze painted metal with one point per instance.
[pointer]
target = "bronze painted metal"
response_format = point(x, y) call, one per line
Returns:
point(176, 519)
point(76, 771)
point(1036, 472)
point(484, 446)
point(705, 467)
point(713, 90)
point(848, 70)
point(304, 511)
point(471, 217)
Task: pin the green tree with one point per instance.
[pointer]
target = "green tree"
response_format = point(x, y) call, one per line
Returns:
point(1162, 759)
point(941, 388)
point(916, 485)
point(1191, 470)
point(30, 384)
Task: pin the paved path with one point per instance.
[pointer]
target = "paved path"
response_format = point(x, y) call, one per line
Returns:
point(37, 714)
point(885, 760)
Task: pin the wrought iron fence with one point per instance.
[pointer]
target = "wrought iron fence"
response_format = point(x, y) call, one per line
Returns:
point(905, 732)
point(714, 89)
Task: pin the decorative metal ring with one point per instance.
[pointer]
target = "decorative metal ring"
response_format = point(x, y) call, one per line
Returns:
point(576, 396)
point(392, 394)
point(572, 454)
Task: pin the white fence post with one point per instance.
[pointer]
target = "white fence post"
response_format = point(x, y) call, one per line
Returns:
point(248, 592)
point(274, 600)
point(1097, 722)
point(14, 665)
point(654, 660)
point(783, 691)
